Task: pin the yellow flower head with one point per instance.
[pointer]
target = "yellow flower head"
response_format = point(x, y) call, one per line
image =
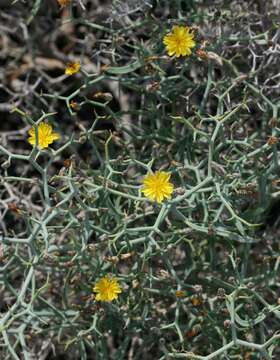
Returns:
point(107, 289)
point(72, 68)
point(157, 186)
point(179, 41)
point(45, 135)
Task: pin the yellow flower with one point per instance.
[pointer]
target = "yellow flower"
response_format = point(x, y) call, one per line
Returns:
point(107, 289)
point(45, 135)
point(179, 41)
point(72, 68)
point(157, 186)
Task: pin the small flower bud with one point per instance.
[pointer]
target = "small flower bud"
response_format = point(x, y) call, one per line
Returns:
point(180, 294)
point(82, 139)
point(227, 324)
point(197, 288)
point(221, 293)
point(103, 96)
point(6, 164)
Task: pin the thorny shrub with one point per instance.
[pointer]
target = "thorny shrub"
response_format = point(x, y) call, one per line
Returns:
point(98, 98)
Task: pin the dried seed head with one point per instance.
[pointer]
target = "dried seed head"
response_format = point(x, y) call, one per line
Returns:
point(102, 95)
point(67, 163)
point(180, 294)
point(63, 3)
point(74, 105)
point(273, 122)
point(152, 86)
point(179, 191)
point(197, 288)
point(13, 207)
point(135, 284)
point(104, 67)
point(195, 330)
point(272, 140)
point(202, 54)
point(164, 274)
point(196, 300)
